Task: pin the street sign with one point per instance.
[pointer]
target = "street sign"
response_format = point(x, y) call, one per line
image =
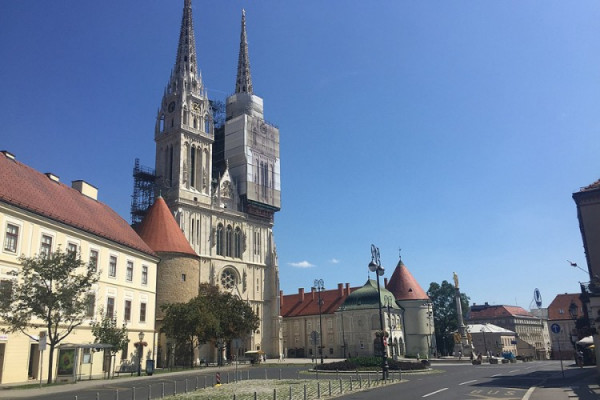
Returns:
point(555, 328)
point(42, 343)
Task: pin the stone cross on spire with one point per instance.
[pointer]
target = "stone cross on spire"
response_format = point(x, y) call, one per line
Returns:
point(243, 83)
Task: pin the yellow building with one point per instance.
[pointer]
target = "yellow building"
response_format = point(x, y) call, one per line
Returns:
point(40, 214)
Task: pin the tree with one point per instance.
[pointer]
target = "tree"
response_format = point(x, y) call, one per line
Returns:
point(50, 290)
point(445, 316)
point(106, 331)
point(235, 316)
point(191, 323)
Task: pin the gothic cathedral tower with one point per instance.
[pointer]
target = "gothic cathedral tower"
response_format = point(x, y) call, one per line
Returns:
point(222, 186)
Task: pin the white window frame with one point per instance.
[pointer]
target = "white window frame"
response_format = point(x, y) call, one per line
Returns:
point(110, 272)
point(129, 271)
point(19, 225)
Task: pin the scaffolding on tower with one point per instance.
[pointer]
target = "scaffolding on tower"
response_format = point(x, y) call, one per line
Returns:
point(144, 185)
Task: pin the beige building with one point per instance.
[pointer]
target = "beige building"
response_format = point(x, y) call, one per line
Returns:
point(222, 185)
point(492, 340)
point(40, 214)
point(530, 329)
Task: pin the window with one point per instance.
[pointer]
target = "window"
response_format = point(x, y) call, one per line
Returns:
point(219, 240)
point(72, 247)
point(112, 266)
point(93, 265)
point(6, 288)
point(127, 316)
point(142, 312)
point(110, 307)
point(228, 279)
point(12, 238)
point(46, 245)
point(228, 241)
point(144, 275)
point(87, 356)
point(237, 239)
point(183, 277)
point(90, 304)
point(129, 271)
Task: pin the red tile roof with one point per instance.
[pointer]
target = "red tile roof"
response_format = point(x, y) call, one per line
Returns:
point(303, 304)
point(559, 308)
point(23, 187)
point(497, 311)
point(161, 232)
point(404, 286)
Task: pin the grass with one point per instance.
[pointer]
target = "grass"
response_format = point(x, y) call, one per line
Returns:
point(287, 389)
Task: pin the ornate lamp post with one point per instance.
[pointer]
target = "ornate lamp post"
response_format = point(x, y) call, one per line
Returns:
point(140, 346)
point(319, 285)
point(375, 266)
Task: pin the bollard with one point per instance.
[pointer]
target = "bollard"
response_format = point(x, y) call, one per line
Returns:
point(97, 395)
point(227, 377)
point(318, 390)
point(360, 382)
point(196, 387)
point(290, 392)
point(133, 394)
point(205, 382)
point(185, 385)
point(369, 377)
point(218, 378)
point(350, 383)
point(274, 394)
point(329, 388)
point(117, 395)
point(254, 395)
point(341, 387)
point(305, 391)
point(265, 374)
point(163, 390)
point(279, 373)
point(149, 392)
point(234, 396)
point(175, 387)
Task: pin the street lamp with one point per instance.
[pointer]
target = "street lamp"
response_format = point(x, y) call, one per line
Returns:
point(319, 285)
point(375, 266)
point(140, 345)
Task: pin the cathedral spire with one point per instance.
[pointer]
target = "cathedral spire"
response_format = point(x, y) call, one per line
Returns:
point(244, 79)
point(186, 63)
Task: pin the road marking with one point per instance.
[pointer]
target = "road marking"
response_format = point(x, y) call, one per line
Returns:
point(528, 394)
point(514, 370)
point(493, 376)
point(437, 391)
point(464, 383)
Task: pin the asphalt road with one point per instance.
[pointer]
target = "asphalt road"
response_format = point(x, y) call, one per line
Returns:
point(500, 381)
point(448, 382)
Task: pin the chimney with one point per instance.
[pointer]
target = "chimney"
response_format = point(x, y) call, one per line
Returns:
point(385, 282)
point(347, 289)
point(301, 293)
point(52, 177)
point(340, 289)
point(280, 299)
point(85, 188)
point(313, 291)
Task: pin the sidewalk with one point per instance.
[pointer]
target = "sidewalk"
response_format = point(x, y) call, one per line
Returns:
point(578, 384)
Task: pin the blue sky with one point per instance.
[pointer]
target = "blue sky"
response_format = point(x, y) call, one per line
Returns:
point(456, 131)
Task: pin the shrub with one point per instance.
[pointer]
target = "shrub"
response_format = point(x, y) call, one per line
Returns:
point(370, 363)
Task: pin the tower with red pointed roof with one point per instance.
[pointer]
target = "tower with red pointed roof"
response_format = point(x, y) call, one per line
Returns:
point(221, 185)
point(418, 316)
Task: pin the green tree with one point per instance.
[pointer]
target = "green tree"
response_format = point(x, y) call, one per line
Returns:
point(50, 291)
point(190, 324)
point(445, 316)
point(235, 316)
point(107, 331)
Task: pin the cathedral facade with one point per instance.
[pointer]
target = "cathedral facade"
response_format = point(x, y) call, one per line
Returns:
point(222, 185)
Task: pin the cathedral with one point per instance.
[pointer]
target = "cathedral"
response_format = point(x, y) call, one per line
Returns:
point(221, 183)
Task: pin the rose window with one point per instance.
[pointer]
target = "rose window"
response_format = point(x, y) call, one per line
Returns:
point(228, 279)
